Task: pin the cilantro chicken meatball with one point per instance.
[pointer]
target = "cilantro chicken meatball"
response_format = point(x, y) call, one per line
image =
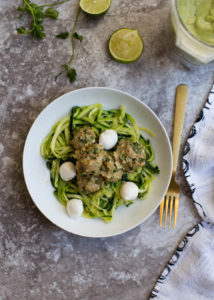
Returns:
point(110, 170)
point(94, 166)
point(83, 137)
point(90, 159)
point(89, 184)
point(129, 155)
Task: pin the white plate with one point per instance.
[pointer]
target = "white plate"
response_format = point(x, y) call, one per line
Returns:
point(37, 176)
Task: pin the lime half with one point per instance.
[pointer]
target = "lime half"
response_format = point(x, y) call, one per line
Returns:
point(95, 7)
point(125, 45)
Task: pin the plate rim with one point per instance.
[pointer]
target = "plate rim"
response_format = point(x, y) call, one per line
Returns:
point(96, 88)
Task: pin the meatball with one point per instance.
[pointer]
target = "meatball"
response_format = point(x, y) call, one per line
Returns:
point(89, 184)
point(129, 155)
point(90, 160)
point(110, 170)
point(89, 167)
point(83, 137)
point(94, 166)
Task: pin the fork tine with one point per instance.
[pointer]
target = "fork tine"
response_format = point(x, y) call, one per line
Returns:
point(170, 211)
point(176, 211)
point(161, 211)
point(166, 209)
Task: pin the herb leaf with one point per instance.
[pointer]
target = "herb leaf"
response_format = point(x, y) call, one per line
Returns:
point(63, 35)
point(72, 75)
point(51, 13)
point(21, 30)
point(38, 32)
point(21, 8)
point(66, 67)
point(78, 36)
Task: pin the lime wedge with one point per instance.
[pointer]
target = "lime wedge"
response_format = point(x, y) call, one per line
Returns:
point(95, 7)
point(125, 45)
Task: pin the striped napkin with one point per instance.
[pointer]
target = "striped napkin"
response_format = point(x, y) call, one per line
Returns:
point(189, 275)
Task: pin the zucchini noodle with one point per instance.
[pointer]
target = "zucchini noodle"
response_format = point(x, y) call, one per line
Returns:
point(56, 149)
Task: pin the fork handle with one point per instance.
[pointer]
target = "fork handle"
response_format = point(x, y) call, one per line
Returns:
point(180, 106)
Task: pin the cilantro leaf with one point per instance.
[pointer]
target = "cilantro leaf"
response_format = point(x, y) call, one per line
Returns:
point(71, 74)
point(21, 30)
point(78, 36)
point(21, 8)
point(66, 67)
point(51, 13)
point(39, 15)
point(38, 31)
point(63, 35)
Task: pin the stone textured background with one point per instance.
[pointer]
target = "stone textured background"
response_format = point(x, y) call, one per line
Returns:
point(38, 260)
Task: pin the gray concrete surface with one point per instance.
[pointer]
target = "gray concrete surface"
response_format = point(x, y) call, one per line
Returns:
point(39, 260)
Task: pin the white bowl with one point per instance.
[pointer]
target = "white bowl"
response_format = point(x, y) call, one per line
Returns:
point(37, 176)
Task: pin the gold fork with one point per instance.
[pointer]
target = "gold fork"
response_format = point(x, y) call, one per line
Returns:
point(172, 194)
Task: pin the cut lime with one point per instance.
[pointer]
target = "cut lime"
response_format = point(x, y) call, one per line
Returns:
point(125, 45)
point(95, 7)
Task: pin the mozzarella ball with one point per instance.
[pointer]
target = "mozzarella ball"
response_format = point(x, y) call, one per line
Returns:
point(75, 208)
point(129, 191)
point(67, 171)
point(108, 139)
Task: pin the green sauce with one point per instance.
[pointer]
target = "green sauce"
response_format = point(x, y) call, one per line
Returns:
point(198, 18)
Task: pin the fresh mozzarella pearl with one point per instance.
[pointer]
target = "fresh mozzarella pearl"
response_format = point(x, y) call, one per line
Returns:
point(67, 171)
point(129, 191)
point(108, 139)
point(74, 208)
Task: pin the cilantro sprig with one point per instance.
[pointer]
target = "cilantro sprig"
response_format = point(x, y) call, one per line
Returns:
point(71, 72)
point(38, 13)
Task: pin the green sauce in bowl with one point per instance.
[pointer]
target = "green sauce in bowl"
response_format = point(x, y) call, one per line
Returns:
point(198, 18)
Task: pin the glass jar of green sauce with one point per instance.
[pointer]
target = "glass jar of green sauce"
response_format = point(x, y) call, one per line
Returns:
point(193, 23)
